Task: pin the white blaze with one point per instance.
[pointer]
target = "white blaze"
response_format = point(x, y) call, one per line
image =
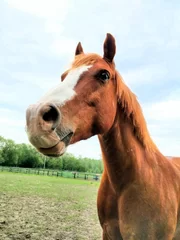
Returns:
point(64, 91)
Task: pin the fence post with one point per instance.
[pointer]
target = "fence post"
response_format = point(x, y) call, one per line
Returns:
point(74, 173)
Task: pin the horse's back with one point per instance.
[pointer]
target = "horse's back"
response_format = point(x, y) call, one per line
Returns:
point(176, 161)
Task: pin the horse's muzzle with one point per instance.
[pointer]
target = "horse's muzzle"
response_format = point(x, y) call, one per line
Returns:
point(41, 122)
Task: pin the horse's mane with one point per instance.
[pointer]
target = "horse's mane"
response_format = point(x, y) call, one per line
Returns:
point(132, 109)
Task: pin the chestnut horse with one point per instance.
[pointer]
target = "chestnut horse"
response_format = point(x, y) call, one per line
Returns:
point(139, 194)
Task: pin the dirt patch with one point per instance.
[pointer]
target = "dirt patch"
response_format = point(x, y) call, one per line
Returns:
point(35, 218)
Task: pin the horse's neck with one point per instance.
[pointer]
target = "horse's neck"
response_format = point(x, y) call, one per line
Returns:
point(123, 154)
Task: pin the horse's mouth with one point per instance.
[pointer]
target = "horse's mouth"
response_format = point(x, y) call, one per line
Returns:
point(66, 139)
point(59, 148)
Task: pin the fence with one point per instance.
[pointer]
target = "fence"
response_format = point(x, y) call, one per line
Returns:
point(48, 172)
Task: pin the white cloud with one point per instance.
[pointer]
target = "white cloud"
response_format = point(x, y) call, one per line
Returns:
point(145, 74)
point(9, 122)
point(43, 82)
point(164, 111)
point(89, 148)
point(163, 119)
point(52, 12)
point(12, 125)
point(52, 15)
point(18, 94)
point(63, 46)
point(41, 8)
point(169, 146)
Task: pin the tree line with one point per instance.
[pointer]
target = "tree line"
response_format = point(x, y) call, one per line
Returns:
point(25, 155)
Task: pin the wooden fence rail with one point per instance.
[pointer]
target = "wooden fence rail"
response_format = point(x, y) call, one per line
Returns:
point(47, 172)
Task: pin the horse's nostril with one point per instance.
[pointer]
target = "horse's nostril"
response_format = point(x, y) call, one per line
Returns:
point(51, 115)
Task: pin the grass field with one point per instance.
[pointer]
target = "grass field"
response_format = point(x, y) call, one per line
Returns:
point(47, 208)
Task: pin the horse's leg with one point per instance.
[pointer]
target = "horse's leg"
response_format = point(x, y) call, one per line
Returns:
point(177, 233)
point(111, 231)
point(108, 211)
point(105, 237)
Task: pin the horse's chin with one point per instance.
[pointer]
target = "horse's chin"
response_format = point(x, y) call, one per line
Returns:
point(59, 148)
point(55, 151)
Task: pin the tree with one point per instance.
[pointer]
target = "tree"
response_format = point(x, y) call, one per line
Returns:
point(29, 157)
point(9, 153)
point(2, 145)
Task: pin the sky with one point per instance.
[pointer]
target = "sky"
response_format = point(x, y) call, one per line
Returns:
point(37, 42)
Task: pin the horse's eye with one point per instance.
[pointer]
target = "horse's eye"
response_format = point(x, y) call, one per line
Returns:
point(103, 75)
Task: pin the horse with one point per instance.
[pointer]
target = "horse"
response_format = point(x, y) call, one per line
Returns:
point(139, 193)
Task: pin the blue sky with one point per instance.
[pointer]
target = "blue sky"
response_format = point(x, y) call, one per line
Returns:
point(38, 40)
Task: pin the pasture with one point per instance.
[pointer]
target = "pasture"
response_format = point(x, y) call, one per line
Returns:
point(49, 208)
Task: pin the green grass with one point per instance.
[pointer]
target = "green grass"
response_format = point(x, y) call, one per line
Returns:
point(43, 207)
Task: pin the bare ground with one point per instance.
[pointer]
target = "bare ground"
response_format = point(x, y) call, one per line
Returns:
point(36, 217)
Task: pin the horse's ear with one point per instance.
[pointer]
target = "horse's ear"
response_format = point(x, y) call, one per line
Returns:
point(79, 49)
point(109, 48)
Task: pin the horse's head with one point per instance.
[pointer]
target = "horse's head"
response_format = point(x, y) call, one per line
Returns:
point(82, 105)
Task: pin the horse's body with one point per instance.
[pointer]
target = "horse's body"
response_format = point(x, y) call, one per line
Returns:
point(154, 222)
point(145, 207)
point(139, 194)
